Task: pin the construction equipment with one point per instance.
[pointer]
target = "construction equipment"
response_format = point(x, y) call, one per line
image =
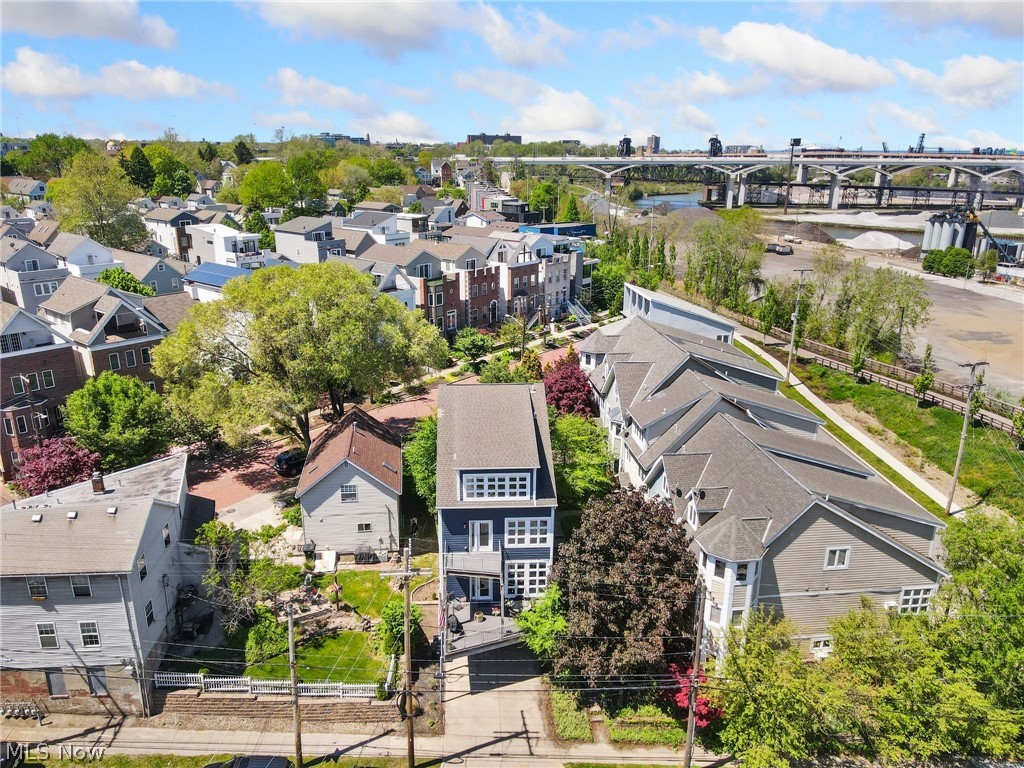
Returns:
point(1005, 250)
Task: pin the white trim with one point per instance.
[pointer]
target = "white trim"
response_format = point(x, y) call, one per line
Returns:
point(474, 535)
point(914, 600)
point(525, 526)
point(819, 593)
point(825, 646)
point(39, 637)
point(837, 566)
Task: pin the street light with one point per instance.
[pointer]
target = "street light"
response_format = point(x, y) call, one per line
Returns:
point(793, 144)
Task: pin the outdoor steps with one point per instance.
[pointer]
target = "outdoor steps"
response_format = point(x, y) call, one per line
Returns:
point(190, 702)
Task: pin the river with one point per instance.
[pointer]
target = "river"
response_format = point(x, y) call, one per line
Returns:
point(674, 202)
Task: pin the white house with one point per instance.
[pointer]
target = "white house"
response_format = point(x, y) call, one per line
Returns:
point(82, 256)
point(221, 244)
point(168, 227)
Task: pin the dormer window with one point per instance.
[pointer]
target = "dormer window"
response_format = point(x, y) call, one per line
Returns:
point(495, 485)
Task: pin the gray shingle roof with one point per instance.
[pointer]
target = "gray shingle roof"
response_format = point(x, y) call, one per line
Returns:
point(170, 309)
point(369, 219)
point(493, 426)
point(93, 542)
point(730, 538)
point(170, 214)
point(74, 293)
point(300, 225)
point(64, 243)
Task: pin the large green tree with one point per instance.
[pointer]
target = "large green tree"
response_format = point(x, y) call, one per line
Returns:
point(92, 199)
point(472, 344)
point(386, 172)
point(119, 418)
point(282, 337)
point(308, 186)
point(243, 153)
point(116, 277)
point(579, 446)
point(724, 258)
point(50, 155)
point(138, 169)
point(420, 458)
point(544, 198)
point(266, 185)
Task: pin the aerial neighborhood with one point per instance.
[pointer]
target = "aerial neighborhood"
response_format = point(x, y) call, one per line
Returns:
point(406, 436)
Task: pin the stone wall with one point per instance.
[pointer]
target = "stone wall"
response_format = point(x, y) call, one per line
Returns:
point(191, 702)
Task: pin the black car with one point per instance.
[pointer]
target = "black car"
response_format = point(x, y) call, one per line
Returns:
point(289, 463)
point(253, 761)
point(771, 248)
point(784, 250)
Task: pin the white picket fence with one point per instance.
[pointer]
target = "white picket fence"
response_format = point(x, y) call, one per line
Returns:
point(256, 686)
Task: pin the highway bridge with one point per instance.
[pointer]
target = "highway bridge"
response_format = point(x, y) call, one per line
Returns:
point(980, 170)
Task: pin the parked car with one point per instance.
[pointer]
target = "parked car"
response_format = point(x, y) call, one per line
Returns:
point(771, 248)
point(253, 761)
point(784, 250)
point(289, 463)
point(792, 239)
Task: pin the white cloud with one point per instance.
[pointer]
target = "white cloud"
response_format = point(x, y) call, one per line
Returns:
point(295, 118)
point(974, 138)
point(968, 81)
point(809, 114)
point(920, 119)
point(416, 95)
point(1002, 19)
point(530, 39)
point(386, 27)
point(498, 84)
point(640, 34)
point(111, 20)
point(558, 114)
point(692, 117)
point(397, 125)
point(299, 89)
point(44, 76)
point(805, 63)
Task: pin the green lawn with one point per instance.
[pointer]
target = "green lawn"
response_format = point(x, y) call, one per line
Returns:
point(346, 657)
point(364, 590)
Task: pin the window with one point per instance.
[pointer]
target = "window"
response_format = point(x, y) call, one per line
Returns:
point(150, 618)
point(837, 558)
point(364, 527)
point(348, 493)
point(45, 289)
point(475, 292)
point(144, 355)
point(49, 382)
point(15, 458)
point(33, 381)
point(11, 342)
point(483, 289)
point(527, 578)
point(470, 263)
point(715, 616)
point(174, 283)
point(915, 600)
point(533, 279)
point(129, 358)
point(142, 568)
point(153, 285)
point(31, 265)
point(476, 312)
point(423, 270)
point(719, 569)
point(18, 385)
point(22, 424)
point(527, 532)
point(515, 284)
point(737, 617)
point(821, 647)
point(55, 683)
point(90, 259)
point(115, 361)
point(80, 586)
point(451, 319)
point(438, 298)
point(97, 681)
point(495, 486)
point(37, 586)
point(167, 535)
point(151, 384)
point(741, 573)
point(480, 589)
point(90, 632)
point(47, 635)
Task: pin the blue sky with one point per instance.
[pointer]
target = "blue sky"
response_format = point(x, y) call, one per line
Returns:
point(854, 73)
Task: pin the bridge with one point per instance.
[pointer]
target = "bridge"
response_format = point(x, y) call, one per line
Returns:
point(980, 170)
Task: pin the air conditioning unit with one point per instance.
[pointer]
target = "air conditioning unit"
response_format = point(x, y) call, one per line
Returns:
point(890, 605)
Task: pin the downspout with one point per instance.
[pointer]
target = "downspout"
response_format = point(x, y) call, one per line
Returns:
point(140, 668)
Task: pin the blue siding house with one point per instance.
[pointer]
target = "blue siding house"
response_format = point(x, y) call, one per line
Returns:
point(495, 510)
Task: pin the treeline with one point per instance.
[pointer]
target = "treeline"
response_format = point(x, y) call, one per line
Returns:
point(638, 257)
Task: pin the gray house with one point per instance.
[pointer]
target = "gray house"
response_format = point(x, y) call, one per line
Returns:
point(308, 240)
point(350, 487)
point(28, 274)
point(95, 582)
point(495, 509)
point(162, 275)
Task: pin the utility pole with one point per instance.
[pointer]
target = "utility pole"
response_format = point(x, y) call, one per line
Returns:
point(963, 432)
point(691, 705)
point(296, 717)
point(899, 338)
point(408, 704)
point(796, 314)
point(793, 144)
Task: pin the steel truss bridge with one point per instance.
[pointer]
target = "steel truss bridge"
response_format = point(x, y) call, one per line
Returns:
point(738, 188)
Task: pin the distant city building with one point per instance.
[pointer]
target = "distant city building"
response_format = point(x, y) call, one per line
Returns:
point(489, 138)
point(331, 139)
point(653, 145)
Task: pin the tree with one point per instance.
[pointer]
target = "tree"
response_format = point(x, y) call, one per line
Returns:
point(472, 345)
point(571, 211)
point(583, 461)
point(987, 264)
point(567, 387)
point(54, 463)
point(117, 278)
point(544, 198)
point(416, 207)
point(207, 152)
point(307, 184)
point(255, 222)
point(450, 192)
point(924, 380)
point(1018, 423)
point(139, 170)
point(420, 457)
point(978, 397)
point(497, 370)
point(267, 637)
point(543, 624)
point(530, 368)
point(319, 328)
point(858, 360)
point(120, 418)
point(243, 153)
point(163, 161)
point(92, 199)
point(627, 578)
point(391, 628)
point(265, 186)
point(511, 332)
point(724, 258)
point(770, 312)
point(705, 712)
point(50, 155)
point(180, 183)
point(386, 172)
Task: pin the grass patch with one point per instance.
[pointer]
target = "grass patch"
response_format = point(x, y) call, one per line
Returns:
point(365, 590)
point(571, 722)
point(346, 657)
point(933, 431)
point(646, 724)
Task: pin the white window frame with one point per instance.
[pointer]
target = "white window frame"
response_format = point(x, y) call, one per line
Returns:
point(145, 356)
point(746, 573)
point(528, 578)
point(477, 591)
point(8, 426)
point(37, 586)
point(94, 633)
point(18, 385)
point(916, 599)
point(150, 616)
point(364, 527)
point(31, 265)
point(349, 493)
point(53, 634)
point(22, 424)
point(129, 358)
point(527, 532)
point(114, 358)
point(496, 485)
point(719, 566)
point(143, 569)
point(166, 533)
point(452, 319)
point(836, 564)
point(475, 535)
point(821, 646)
point(75, 587)
point(50, 378)
point(33, 381)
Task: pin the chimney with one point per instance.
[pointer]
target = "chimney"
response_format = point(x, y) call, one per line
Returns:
point(98, 488)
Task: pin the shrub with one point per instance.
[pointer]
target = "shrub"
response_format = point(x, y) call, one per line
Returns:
point(415, 388)
point(293, 515)
point(571, 722)
point(389, 632)
point(385, 397)
point(267, 637)
point(646, 724)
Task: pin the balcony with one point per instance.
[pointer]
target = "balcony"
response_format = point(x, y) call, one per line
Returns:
point(465, 634)
point(473, 563)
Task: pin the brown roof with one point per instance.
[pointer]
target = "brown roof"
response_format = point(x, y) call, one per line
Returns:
point(74, 293)
point(170, 309)
point(44, 232)
point(361, 440)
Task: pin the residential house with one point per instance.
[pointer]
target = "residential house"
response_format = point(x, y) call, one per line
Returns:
point(39, 370)
point(155, 249)
point(272, 216)
point(350, 487)
point(382, 226)
point(39, 210)
point(143, 205)
point(661, 308)
point(160, 274)
point(441, 218)
point(44, 232)
point(416, 261)
point(423, 175)
point(82, 255)
point(28, 274)
point(170, 309)
point(170, 201)
point(98, 578)
point(206, 282)
point(388, 278)
point(357, 241)
point(376, 206)
point(496, 507)
point(198, 200)
point(169, 228)
point(210, 187)
point(8, 213)
point(216, 214)
point(220, 244)
point(308, 240)
point(227, 175)
point(415, 224)
point(480, 218)
point(23, 187)
point(441, 171)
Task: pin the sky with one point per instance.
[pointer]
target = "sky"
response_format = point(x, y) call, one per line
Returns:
point(844, 73)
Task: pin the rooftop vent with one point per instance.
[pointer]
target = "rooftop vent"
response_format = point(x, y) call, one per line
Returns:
point(73, 514)
point(111, 511)
point(388, 466)
point(37, 518)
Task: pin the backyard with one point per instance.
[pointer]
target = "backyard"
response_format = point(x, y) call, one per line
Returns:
point(343, 657)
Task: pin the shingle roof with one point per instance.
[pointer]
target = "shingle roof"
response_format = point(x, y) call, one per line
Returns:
point(169, 215)
point(492, 426)
point(368, 219)
point(64, 243)
point(95, 541)
point(44, 232)
point(392, 254)
point(362, 441)
point(375, 205)
point(74, 293)
point(300, 225)
point(730, 538)
point(170, 309)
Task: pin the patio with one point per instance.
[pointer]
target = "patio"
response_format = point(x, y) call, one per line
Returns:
point(479, 629)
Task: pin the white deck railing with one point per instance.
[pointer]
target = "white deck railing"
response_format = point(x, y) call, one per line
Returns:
point(258, 687)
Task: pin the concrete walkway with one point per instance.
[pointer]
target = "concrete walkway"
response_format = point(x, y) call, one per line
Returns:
point(906, 472)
